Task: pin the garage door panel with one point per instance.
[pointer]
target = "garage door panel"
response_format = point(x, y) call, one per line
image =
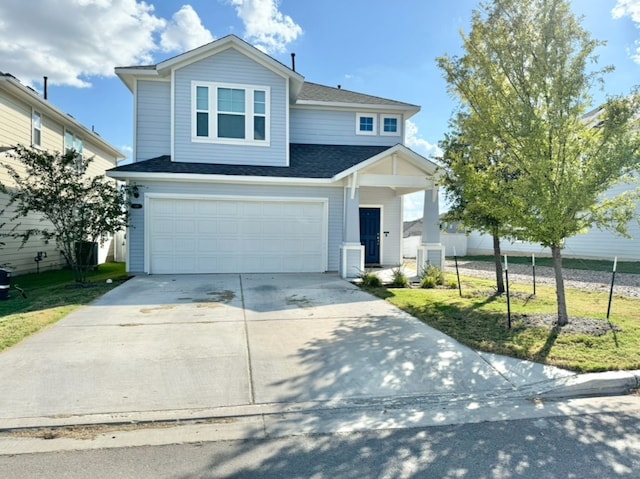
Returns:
point(229, 236)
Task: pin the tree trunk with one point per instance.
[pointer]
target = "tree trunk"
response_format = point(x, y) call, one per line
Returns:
point(497, 256)
point(563, 317)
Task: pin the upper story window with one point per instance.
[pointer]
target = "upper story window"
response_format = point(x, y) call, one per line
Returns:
point(366, 124)
point(36, 136)
point(227, 113)
point(73, 143)
point(390, 125)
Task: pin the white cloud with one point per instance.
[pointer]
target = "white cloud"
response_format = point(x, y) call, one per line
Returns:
point(72, 40)
point(185, 32)
point(630, 8)
point(419, 144)
point(266, 27)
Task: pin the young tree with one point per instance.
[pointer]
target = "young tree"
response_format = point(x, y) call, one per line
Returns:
point(74, 208)
point(525, 76)
point(476, 183)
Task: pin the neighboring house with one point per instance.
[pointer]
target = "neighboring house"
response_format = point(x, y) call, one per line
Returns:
point(242, 166)
point(453, 238)
point(28, 119)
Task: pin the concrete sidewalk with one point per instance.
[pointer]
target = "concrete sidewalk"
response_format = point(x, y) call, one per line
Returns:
point(182, 347)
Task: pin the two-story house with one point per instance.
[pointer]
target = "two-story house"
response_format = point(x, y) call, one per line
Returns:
point(28, 119)
point(243, 166)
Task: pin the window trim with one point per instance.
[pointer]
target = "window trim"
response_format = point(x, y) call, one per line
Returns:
point(374, 130)
point(388, 133)
point(249, 113)
point(75, 140)
point(35, 113)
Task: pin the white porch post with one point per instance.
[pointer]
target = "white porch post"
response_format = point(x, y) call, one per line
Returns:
point(430, 251)
point(351, 251)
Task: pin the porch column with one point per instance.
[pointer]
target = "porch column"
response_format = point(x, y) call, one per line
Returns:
point(430, 251)
point(351, 251)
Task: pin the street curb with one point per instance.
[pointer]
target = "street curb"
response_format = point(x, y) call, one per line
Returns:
point(612, 383)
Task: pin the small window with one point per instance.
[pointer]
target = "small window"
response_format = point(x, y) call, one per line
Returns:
point(390, 125)
point(202, 111)
point(366, 124)
point(231, 109)
point(36, 139)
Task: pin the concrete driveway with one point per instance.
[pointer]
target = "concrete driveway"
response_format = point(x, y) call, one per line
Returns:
point(236, 342)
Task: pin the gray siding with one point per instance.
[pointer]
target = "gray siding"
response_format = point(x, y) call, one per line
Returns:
point(334, 195)
point(153, 119)
point(327, 127)
point(230, 66)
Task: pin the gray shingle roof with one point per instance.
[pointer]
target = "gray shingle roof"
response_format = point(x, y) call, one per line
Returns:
point(306, 161)
point(315, 92)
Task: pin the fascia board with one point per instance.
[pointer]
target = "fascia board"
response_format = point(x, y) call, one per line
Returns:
point(204, 178)
point(410, 110)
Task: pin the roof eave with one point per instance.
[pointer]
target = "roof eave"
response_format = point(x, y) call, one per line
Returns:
point(429, 167)
point(43, 105)
point(410, 110)
point(202, 177)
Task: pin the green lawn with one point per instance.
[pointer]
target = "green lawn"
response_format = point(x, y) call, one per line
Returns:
point(479, 320)
point(632, 267)
point(51, 295)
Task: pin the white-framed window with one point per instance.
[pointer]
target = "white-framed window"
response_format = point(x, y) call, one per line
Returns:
point(36, 123)
point(390, 125)
point(366, 124)
point(230, 113)
point(73, 143)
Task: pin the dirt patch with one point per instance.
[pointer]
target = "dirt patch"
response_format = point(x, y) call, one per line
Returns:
point(157, 308)
point(300, 302)
point(586, 326)
point(225, 296)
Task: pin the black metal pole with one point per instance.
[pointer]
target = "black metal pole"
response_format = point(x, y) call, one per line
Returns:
point(506, 274)
point(455, 258)
point(613, 279)
point(533, 263)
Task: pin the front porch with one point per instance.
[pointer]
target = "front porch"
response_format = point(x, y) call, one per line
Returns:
point(373, 211)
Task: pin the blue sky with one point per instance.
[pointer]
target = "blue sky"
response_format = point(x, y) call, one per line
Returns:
point(380, 47)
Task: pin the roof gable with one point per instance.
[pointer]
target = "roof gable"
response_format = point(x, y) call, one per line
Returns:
point(163, 69)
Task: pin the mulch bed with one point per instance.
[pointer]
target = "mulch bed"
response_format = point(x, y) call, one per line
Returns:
point(586, 326)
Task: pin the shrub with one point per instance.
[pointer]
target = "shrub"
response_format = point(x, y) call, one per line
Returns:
point(428, 282)
point(400, 279)
point(370, 279)
point(452, 284)
point(435, 273)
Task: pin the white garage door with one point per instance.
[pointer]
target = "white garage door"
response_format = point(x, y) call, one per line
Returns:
point(226, 235)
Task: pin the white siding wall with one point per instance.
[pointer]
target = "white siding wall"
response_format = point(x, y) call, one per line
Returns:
point(391, 244)
point(230, 66)
point(594, 244)
point(333, 128)
point(335, 195)
point(153, 119)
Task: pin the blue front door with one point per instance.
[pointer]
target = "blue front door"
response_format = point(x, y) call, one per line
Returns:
point(370, 234)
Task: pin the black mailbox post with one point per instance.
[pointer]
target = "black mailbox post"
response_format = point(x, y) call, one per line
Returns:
point(5, 284)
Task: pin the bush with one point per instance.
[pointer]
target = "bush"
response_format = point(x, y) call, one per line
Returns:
point(370, 280)
point(428, 282)
point(400, 279)
point(435, 273)
point(452, 284)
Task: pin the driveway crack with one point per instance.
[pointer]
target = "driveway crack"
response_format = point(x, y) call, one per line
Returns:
point(252, 399)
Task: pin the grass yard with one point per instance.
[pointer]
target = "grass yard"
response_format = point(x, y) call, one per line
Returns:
point(51, 295)
point(479, 320)
point(629, 267)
